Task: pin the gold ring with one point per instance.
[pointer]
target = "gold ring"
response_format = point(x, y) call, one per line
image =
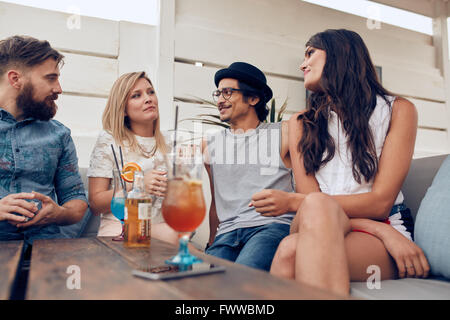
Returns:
point(410, 266)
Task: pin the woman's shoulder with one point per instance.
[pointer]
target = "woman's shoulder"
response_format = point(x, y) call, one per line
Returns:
point(295, 126)
point(390, 106)
point(402, 107)
point(402, 102)
point(104, 141)
point(294, 120)
point(100, 164)
point(394, 101)
point(105, 136)
point(405, 110)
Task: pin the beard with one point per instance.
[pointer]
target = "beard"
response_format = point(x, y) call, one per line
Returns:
point(39, 110)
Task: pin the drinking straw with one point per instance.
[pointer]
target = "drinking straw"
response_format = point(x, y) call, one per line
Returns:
point(175, 141)
point(117, 165)
point(121, 157)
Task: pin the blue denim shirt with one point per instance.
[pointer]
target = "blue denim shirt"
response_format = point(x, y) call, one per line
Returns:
point(38, 156)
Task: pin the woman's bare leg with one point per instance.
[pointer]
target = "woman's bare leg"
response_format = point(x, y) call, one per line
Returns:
point(321, 258)
point(364, 250)
point(283, 263)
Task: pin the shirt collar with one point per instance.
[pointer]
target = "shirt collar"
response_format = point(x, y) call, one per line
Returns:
point(5, 115)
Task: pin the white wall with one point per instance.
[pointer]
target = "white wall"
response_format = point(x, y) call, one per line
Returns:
point(96, 52)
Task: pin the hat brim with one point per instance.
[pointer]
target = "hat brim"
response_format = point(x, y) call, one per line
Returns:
point(246, 78)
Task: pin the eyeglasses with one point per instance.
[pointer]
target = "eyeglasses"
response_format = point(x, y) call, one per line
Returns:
point(225, 92)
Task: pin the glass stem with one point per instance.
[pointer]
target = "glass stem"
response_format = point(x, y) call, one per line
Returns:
point(184, 240)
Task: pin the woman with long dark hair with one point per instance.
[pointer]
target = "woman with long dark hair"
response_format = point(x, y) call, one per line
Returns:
point(351, 150)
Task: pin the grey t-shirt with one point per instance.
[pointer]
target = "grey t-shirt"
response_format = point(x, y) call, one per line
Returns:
point(241, 165)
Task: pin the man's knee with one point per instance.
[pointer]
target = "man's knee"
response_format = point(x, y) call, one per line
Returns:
point(225, 246)
point(259, 251)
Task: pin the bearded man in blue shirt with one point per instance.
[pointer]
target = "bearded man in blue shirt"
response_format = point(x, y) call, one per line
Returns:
point(40, 186)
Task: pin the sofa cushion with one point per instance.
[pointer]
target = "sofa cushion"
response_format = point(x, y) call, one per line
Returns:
point(432, 227)
point(403, 289)
point(420, 177)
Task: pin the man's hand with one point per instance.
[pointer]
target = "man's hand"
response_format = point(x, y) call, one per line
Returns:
point(49, 213)
point(15, 203)
point(271, 202)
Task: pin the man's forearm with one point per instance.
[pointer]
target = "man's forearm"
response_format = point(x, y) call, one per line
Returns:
point(71, 212)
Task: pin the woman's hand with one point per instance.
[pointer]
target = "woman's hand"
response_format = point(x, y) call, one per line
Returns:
point(410, 259)
point(156, 182)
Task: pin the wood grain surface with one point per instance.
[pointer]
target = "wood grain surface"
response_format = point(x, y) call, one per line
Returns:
point(105, 272)
point(10, 252)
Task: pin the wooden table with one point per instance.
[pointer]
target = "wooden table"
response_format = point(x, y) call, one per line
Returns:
point(10, 253)
point(105, 273)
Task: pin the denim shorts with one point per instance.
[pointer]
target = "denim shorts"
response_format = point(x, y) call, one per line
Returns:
point(401, 219)
point(253, 247)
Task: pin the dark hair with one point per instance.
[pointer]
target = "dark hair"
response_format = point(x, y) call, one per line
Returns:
point(247, 92)
point(23, 51)
point(349, 86)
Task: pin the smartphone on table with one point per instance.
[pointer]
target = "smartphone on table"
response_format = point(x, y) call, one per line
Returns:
point(167, 272)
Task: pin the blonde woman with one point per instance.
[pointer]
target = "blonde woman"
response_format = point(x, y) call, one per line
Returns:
point(131, 121)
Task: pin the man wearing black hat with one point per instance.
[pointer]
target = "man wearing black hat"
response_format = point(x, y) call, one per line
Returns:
point(249, 171)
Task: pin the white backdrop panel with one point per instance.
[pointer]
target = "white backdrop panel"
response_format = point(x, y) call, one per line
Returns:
point(431, 141)
point(94, 36)
point(202, 44)
point(191, 81)
point(413, 83)
point(84, 146)
point(83, 115)
point(88, 75)
point(137, 52)
point(294, 21)
point(431, 114)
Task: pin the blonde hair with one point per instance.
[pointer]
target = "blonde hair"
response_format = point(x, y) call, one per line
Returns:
point(114, 119)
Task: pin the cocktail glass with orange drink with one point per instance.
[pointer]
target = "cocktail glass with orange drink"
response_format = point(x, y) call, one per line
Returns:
point(184, 206)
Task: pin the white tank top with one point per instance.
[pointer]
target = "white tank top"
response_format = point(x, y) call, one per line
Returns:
point(336, 177)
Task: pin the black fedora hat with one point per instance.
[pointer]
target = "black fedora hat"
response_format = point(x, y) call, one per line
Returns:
point(248, 74)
